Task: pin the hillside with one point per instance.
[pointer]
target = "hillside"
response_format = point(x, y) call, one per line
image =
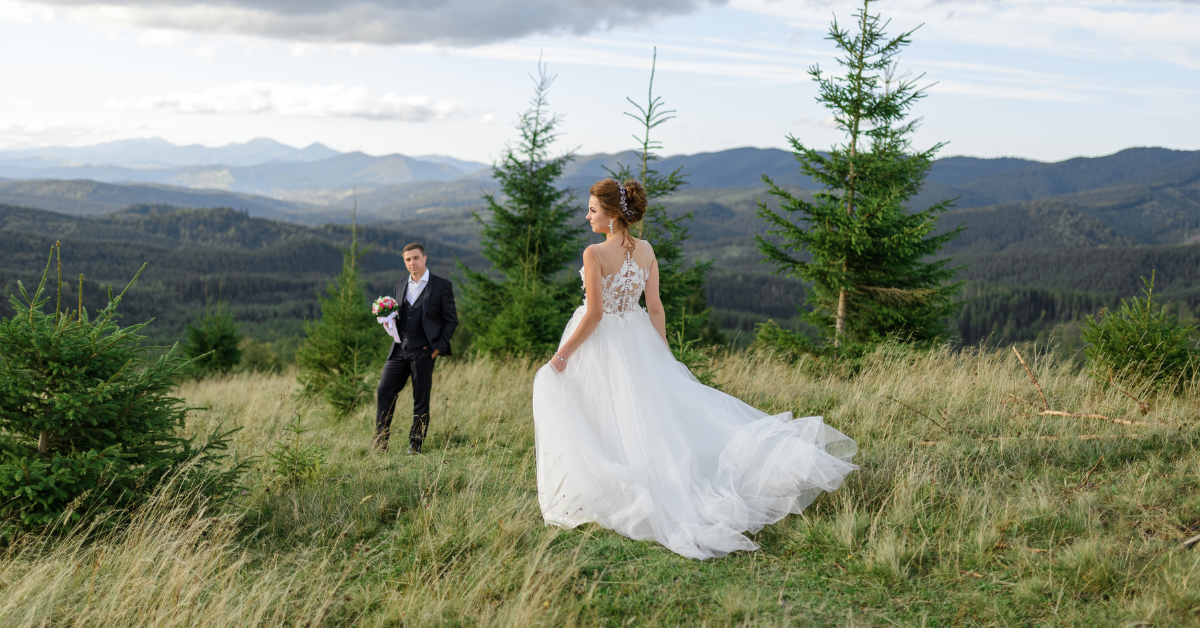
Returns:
point(999, 517)
point(396, 187)
point(92, 198)
point(270, 272)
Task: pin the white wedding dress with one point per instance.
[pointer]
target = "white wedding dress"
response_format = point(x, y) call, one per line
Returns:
point(627, 438)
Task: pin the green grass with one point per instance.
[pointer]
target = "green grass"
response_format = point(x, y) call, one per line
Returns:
point(1010, 519)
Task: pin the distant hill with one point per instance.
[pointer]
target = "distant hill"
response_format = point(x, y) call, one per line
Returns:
point(270, 272)
point(1165, 210)
point(1078, 231)
point(156, 153)
point(340, 172)
point(396, 187)
point(260, 166)
point(91, 198)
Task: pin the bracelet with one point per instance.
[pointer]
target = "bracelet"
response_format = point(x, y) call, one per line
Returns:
point(560, 358)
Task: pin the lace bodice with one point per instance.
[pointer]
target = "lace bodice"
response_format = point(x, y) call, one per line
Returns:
point(623, 289)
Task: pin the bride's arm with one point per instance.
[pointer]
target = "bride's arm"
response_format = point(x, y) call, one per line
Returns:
point(592, 285)
point(654, 306)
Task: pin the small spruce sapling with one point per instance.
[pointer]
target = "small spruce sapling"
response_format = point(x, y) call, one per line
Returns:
point(88, 421)
point(1140, 342)
point(295, 461)
point(343, 349)
point(213, 343)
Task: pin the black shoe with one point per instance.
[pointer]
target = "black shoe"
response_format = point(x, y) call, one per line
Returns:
point(414, 449)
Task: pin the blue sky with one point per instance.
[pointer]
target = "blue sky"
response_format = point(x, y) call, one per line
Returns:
point(1034, 79)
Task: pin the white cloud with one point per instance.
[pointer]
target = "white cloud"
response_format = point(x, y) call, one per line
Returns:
point(160, 37)
point(23, 103)
point(453, 22)
point(315, 101)
point(20, 135)
point(1086, 29)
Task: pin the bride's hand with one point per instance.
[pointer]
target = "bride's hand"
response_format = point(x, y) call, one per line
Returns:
point(558, 363)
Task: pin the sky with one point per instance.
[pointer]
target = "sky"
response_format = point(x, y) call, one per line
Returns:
point(1046, 80)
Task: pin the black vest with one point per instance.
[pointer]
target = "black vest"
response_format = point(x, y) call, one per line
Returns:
point(412, 332)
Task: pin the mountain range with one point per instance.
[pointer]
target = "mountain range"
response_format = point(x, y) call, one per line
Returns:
point(156, 152)
point(261, 166)
point(1080, 231)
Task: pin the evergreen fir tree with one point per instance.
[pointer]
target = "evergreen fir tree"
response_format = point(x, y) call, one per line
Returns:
point(868, 269)
point(88, 422)
point(529, 238)
point(343, 349)
point(213, 344)
point(681, 286)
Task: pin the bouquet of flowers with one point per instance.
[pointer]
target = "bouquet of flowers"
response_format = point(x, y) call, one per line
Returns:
point(385, 310)
point(384, 306)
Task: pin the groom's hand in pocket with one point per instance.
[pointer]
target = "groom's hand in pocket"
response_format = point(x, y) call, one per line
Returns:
point(434, 354)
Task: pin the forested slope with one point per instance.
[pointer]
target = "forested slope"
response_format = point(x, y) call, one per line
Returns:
point(269, 272)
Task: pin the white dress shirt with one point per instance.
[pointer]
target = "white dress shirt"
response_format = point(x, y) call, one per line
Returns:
point(415, 287)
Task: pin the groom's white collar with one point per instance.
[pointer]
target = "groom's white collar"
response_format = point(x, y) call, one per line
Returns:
point(424, 278)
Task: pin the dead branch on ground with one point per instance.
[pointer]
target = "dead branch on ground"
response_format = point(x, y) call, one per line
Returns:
point(1089, 473)
point(919, 412)
point(1143, 406)
point(1001, 439)
point(1045, 404)
point(1085, 415)
point(1046, 411)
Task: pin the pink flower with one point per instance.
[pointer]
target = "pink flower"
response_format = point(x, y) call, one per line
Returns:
point(384, 306)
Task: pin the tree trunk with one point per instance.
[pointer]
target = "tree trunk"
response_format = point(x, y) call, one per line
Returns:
point(44, 442)
point(839, 329)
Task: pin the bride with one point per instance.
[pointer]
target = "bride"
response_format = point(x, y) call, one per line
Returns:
point(628, 439)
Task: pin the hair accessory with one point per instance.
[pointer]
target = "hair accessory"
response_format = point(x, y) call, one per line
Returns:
point(624, 204)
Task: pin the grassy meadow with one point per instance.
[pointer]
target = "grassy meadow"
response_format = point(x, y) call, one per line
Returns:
point(996, 517)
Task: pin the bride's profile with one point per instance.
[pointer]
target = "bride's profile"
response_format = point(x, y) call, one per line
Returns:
point(628, 439)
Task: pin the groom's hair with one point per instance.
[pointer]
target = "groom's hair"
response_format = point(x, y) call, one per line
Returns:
point(412, 246)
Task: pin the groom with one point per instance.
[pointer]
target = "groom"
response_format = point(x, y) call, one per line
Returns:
point(425, 324)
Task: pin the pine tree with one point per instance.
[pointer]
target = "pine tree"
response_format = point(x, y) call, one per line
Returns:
point(868, 269)
point(88, 422)
point(529, 238)
point(213, 343)
point(681, 286)
point(343, 349)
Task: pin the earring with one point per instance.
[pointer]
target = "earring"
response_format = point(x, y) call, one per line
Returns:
point(610, 224)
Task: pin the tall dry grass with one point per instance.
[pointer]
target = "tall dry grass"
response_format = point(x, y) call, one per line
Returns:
point(997, 517)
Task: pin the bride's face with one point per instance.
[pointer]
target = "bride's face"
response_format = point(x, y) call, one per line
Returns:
point(596, 216)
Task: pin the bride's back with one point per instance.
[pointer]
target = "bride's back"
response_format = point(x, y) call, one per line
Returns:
point(613, 255)
point(624, 273)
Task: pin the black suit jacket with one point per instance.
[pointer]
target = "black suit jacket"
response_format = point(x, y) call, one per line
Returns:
point(439, 318)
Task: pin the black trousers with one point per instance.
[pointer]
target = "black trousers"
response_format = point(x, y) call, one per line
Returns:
point(402, 365)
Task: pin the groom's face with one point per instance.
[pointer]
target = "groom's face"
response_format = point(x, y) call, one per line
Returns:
point(414, 260)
